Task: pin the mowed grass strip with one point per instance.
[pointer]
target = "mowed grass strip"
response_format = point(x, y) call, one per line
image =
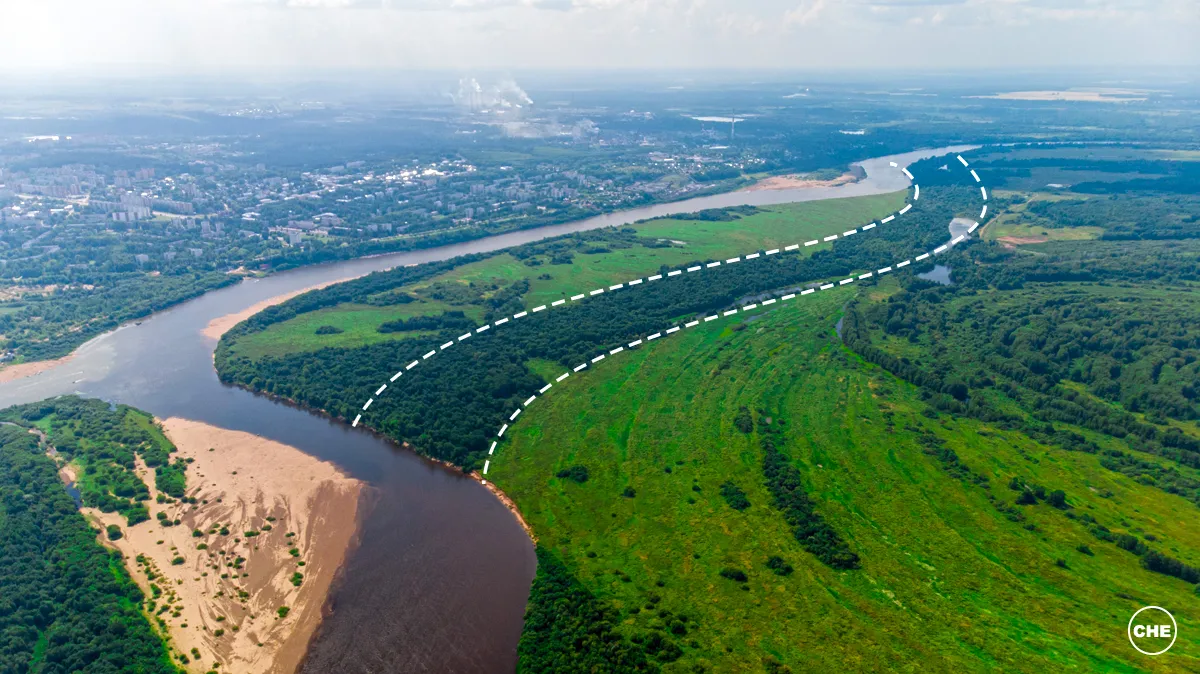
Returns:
point(774, 227)
point(947, 584)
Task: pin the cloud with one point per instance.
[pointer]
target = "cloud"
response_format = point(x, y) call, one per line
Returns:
point(804, 13)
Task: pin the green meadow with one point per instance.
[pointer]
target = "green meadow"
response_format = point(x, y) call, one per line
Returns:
point(947, 582)
point(772, 227)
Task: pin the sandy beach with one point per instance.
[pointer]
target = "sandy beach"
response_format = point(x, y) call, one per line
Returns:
point(22, 370)
point(797, 182)
point(222, 324)
point(226, 594)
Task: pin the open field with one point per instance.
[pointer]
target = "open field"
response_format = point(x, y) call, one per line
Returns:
point(946, 580)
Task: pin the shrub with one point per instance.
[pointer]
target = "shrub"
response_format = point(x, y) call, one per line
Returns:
point(734, 496)
point(114, 532)
point(744, 421)
point(577, 473)
point(329, 330)
point(734, 575)
point(283, 611)
point(629, 492)
point(780, 567)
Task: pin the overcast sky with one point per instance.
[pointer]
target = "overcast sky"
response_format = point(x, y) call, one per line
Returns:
point(206, 35)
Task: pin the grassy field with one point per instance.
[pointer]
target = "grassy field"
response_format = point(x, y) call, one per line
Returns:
point(947, 582)
point(774, 227)
point(1015, 222)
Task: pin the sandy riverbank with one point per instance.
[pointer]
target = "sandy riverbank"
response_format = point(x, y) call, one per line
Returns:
point(224, 601)
point(22, 370)
point(222, 324)
point(797, 182)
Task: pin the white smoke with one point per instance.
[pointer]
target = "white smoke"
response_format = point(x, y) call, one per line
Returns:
point(503, 95)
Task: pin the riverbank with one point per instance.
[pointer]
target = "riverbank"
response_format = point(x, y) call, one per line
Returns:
point(23, 370)
point(223, 579)
point(223, 324)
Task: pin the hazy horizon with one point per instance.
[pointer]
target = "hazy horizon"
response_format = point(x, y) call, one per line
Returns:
point(198, 37)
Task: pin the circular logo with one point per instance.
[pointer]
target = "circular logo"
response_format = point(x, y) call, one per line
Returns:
point(1152, 629)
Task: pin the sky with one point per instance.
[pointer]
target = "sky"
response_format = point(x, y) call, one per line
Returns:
point(199, 36)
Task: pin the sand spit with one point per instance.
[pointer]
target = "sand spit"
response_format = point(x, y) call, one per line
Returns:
point(225, 600)
point(222, 324)
point(22, 370)
point(797, 182)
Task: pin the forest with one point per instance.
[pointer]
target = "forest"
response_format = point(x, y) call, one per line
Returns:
point(68, 604)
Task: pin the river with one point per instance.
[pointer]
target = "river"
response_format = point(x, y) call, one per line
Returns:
point(441, 575)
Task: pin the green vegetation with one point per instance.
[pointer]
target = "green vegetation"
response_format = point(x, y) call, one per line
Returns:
point(416, 302)
point(104, 442)
point(68, 604)
point(471, 401)
point(937, 546)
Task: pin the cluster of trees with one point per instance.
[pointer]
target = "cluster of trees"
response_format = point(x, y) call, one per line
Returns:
point(106, 439)
point(450, 320)
point(568, 630)
point(788, 495)
point(734, 496)
point(450, 406)
point(68, 604)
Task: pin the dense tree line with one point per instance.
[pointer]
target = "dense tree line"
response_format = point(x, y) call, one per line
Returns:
point(568, 630)
point(105, 439)
point(451, 406)
point(68, 605)
point(786, 486)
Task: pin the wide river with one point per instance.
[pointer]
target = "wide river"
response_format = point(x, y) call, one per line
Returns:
point(439, 580)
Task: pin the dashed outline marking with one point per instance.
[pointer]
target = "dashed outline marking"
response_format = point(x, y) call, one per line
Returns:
point(907, 207)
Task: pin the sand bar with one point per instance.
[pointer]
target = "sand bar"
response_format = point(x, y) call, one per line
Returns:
point(243, 483)
point(797, 182)
point(22, 370)
point(222, 324)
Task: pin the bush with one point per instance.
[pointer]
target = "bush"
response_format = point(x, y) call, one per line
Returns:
point(577, 473)
point(734, 496)
point(329, 330)
point(114, 532)
point(283, 611)
point(744, 421)
point(734, 575)
point(629, 492)
point(780, 567)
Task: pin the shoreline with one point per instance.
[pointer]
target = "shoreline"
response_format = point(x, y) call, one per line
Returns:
point(231, 596)
point(222, 324)
point(510, 504)
point(32, 368)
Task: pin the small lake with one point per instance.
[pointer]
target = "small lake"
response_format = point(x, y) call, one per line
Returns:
point(939, 274)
